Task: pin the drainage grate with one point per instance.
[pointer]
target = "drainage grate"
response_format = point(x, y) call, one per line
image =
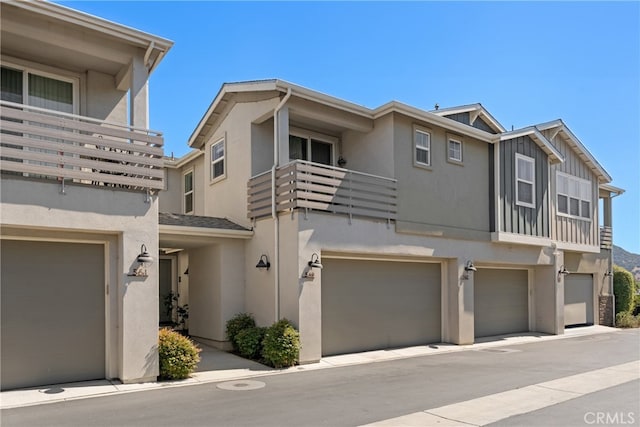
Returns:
point(241, 385)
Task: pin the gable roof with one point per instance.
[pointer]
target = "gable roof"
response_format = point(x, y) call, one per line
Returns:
point(475, 111)
point(532, 132)
point(561, 129)
point(280, 87)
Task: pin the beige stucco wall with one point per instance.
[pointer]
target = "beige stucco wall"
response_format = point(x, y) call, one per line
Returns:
point(447, 198)
point(371, 152)
point(260, 284)
point(225, 197)
point(216, 288)
point(374, 240)
point(170, 199)
point(125, 221)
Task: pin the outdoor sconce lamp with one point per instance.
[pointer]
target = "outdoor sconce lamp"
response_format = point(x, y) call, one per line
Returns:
point(562, 272)
point(315, 262)
point(263, 263)
point(609, 273)
point(467, 268)
point(342, 161)
point(143, 258)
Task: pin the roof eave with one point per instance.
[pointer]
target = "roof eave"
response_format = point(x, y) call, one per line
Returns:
point(395, 106)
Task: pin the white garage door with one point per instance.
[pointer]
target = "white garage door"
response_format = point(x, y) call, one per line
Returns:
point(578, 299)
point(53, 327)
point(501, 303)
point(368, 305)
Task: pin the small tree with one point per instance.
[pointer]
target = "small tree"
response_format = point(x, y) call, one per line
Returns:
point(623, 289)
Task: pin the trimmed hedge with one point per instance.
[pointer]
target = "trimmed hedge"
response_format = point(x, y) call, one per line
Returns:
point(236, 324)
point(250, 342)
point(281, 344)
point(627, 320)
point(178, 355)
point(624, 289)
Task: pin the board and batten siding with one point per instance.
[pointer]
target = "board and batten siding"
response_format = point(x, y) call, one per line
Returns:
point(520, 219)
point(465, 117)
point(565, 228)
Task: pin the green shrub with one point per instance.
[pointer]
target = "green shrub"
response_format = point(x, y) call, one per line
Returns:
point(238, 323)
point(250, 342)
point(179, 356)
point(627, 320)
point(281, 344)
point(623, 289)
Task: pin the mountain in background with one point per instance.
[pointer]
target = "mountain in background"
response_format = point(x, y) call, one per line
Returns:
point(627, 260)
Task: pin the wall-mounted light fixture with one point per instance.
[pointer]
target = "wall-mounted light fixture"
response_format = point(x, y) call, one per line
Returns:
point(342, 161)
point(263, 263)
point(609, 273)
point(143, 259)
point(313, 263)
point(562, 272)
point(468, 268)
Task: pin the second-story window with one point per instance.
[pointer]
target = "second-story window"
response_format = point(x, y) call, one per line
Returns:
point(525, 181)
point(217, 160)
point(422, 140)
point(188, 192)
point(454, 147)
point(574, 196)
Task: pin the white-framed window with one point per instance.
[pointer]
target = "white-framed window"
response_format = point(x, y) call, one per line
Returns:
point(525, 181)
point(217, 160)
point(422, 144)
point(454, 149)
point(188, 191)
point(311, 146)
point(574, 196)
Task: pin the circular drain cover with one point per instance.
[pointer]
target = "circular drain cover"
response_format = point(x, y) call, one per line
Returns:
point(52, 390)
point(241, 385)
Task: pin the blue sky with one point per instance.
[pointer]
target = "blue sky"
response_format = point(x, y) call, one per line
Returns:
point(525, 62)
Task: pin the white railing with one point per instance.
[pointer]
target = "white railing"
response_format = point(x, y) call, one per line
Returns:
point(307, 185)
point(40, 143)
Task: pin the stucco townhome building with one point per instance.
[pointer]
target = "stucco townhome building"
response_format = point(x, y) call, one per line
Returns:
point(383, 227)
point(367, 228)
point(80, 178)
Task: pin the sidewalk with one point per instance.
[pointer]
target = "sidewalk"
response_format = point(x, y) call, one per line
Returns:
point(218, 366)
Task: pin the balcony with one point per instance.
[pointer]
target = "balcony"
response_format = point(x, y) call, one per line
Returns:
point(45, 144)
point(606, 237)
point(312, 186)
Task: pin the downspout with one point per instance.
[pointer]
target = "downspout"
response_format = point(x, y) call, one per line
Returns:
point(274, 211)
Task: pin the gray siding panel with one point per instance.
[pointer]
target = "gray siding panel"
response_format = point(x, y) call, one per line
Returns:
point(482, 125)
point(520, 219)
point(569, 229)
point(460, 117)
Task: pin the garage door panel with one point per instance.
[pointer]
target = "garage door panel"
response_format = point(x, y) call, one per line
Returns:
point(53, 317)
point(501, 302)
point(374, 304)
point(578, 299)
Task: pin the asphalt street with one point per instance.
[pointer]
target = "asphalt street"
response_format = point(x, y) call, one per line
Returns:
point(362, 394)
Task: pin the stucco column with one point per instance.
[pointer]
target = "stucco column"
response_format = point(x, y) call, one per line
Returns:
point(138, 305)
point(139, 93)
point(283, 136)
point(460, 303)
point(559, 293)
